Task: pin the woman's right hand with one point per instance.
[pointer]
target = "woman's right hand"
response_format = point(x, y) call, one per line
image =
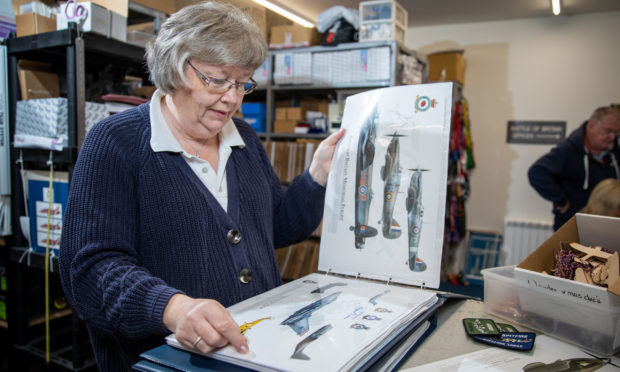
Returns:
point(190, 318)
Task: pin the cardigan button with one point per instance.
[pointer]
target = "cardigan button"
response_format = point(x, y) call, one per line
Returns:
point(234, 236)
point(245, 276)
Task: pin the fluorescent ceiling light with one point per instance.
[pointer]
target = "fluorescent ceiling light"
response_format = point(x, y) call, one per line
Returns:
point(285, 13)
point(555, 7)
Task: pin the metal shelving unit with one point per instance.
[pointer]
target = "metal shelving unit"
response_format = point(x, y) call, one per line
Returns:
point(72, 56)
point(319, 88)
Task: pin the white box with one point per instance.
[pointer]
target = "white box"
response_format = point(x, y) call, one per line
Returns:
point(118, 27)
point(98, 19)
point(373, 31)
point(591, 327)
point(392, 11)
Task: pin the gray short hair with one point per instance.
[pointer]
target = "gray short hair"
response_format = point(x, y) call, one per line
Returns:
point(603, 112)
point(212, 32)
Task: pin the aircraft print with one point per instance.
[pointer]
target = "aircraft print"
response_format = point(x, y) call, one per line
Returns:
point(363, 178)
point(298, 321)
point(390, 174)
point(414, 216)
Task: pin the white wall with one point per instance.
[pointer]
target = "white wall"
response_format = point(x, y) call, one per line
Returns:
point(555, 68)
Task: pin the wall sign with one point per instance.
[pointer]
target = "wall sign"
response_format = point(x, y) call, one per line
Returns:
point(536, 132)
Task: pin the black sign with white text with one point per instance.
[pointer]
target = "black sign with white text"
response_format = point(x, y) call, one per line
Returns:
point(536, 132)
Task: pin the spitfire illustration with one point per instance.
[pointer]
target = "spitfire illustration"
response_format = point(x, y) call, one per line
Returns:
point(363, 194)
point(414, 216)
point(298, 353)
point(299, 320)
point(328, 286)
point(390, 174)
point(246, 326)
point(373, 300)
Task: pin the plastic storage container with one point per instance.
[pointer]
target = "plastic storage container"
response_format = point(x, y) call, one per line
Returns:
point(255, 114)
point(382, 20)
point(586, 326)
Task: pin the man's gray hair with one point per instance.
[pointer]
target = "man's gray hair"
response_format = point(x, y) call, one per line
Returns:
point(603, 112)
point(211, 32)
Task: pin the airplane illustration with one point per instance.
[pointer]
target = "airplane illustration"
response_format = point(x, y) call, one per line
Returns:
point(328, 286)
point(299, 320)
point(246, 326)
point(363, 177)
point(414, 216)
point(390, 174)
point(298, 353)
point(373, 300)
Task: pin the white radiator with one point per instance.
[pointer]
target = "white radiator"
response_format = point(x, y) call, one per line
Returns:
point(522, 237)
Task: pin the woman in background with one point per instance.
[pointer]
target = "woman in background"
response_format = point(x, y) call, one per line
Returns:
point(604, 199)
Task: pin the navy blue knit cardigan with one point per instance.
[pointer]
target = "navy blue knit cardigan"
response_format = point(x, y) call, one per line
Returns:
point(140, 226)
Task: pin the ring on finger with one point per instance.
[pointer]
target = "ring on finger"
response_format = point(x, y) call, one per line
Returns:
point(196, 341)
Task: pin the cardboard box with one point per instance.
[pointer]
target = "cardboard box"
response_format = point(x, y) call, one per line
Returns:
point(292, 36)
point(281, 113)
point(119, 6)
point(36, 81)
point(295, 113)
point(33, 23)
point(447, 66)
point(164, 6)
point(284, 126)
point(586, 229)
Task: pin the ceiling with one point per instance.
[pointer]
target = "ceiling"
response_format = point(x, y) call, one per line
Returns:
point(441, 12)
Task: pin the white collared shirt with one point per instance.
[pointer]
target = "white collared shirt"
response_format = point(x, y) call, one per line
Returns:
point(162, 139)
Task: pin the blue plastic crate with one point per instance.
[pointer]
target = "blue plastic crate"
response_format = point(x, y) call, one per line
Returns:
point(255, 114)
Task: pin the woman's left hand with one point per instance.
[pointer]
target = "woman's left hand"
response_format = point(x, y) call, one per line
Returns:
point(322, 159)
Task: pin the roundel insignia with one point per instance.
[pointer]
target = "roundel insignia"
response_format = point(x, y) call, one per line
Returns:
point(423, 103)
point(362, 189)
point(415, 230)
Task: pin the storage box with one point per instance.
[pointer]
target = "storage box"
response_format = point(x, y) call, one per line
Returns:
point(593, 328)
point(118, 26)
point(122, 6)
point(255, 115)
point(42, 123)
point(382, 20)
point(164, 6)
point(284, 126)
point(383, 11)
point(373, 31)
point(35, 80)
point(281, 113)
point(589, 230)
point(33, 23)
point(295, 113)
point(447, 66)
point(98, 19)
point(292, 36)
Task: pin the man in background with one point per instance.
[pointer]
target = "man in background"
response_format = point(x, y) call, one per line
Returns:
point(568, 173)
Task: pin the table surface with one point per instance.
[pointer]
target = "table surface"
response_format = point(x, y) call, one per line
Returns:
point(449, 339)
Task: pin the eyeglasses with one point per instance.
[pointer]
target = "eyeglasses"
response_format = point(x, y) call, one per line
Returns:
point(216, 85)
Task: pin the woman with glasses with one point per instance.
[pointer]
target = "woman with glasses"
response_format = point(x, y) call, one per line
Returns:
point(174, 209)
